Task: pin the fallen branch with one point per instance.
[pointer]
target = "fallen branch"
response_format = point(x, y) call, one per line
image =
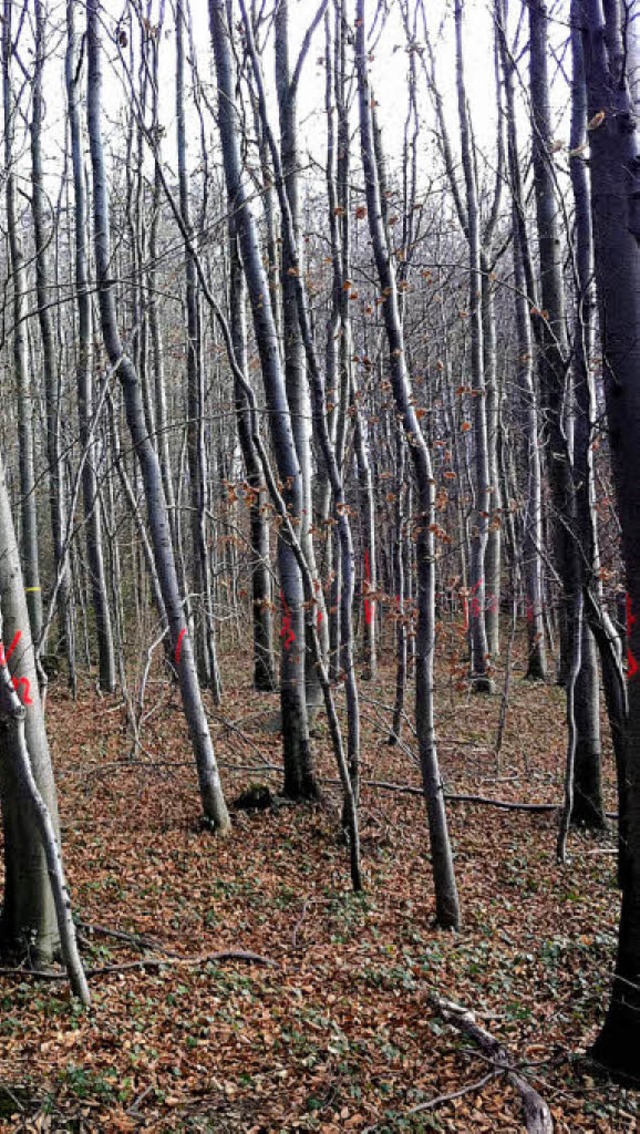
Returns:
point(149, 963)
point(453, 797)
point(537, 1116)
point(135, 939)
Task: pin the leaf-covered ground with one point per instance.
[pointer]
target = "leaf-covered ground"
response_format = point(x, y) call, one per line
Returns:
point(338, 1033)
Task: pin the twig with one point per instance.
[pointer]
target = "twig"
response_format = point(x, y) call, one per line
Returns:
point(147, 963)
point(470, 1087)
point(140, 1099)
point(131, 938)
point(453, 797)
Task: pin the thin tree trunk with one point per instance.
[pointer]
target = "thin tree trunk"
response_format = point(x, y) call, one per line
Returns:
point(213, 803)
point(28, 925)
point(299, 779)
point(447, 907)
point(261, 590)
point(28, 503)
point(52, 384)
point(84, 376)
point(205, 647)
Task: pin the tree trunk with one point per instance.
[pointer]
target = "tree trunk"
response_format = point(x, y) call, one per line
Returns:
point(587, 789)
point(482, 488)
point(28, 503)
point(28, 925)
point(549, 319)
point(294, 353)
point(84, 377)
point(299, 778)
point(213, 803)
point(615, 162)
point(447, 906)
point(204, 637)
point(261, 591)
point(52, 385)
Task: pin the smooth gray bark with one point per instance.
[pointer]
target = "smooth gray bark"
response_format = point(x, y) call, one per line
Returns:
point(447, 906)
point(28, 503)
point(213, 803)
point(50, 350)
point(205, 644)
point(28, 925)
point(84, 371)
point(299, 780)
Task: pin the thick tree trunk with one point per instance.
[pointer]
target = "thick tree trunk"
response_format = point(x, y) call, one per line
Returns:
point(553, 353)
point(213, 803)
point(615, 161)
point(587, 789)
point(28, 925)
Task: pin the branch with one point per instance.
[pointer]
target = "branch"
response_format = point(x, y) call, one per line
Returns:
point(537, 1116)
point(146, 964)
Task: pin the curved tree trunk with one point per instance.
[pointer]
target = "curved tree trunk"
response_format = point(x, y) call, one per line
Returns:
point(213, 803)
point(447, 906)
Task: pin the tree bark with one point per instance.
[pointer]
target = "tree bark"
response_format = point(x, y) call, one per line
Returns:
point(28, 503)
point(447, 906)
point(213, 803)
point(299, 778)
point(615, 175)
point(84, 377)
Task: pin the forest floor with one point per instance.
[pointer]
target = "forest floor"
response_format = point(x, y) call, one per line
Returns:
point(338, 1033)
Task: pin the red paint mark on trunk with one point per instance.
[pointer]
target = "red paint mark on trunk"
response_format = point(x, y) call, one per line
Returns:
point(4, 658)
point(368, 605)
point(181, 637)
point(319, 619)
point(475, 600)
point(632, 665)
point(16, 681)
point(529, 610)
point(286, 632)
